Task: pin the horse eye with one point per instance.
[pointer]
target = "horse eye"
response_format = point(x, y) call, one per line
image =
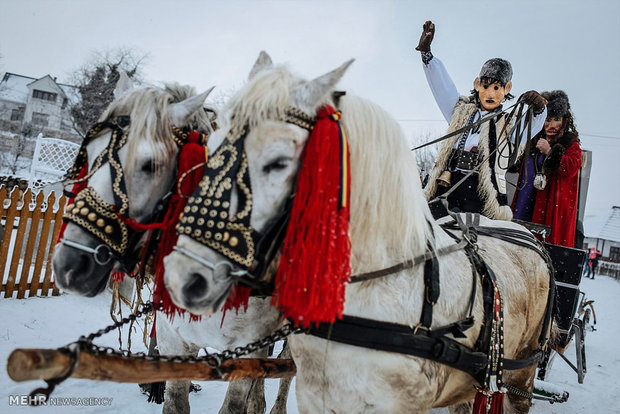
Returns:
point(148, 167)
point(276, 165)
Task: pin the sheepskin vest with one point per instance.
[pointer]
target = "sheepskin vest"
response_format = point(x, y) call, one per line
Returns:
point(487, 189)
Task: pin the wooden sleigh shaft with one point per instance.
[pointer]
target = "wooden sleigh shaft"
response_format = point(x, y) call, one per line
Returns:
point(46, 364)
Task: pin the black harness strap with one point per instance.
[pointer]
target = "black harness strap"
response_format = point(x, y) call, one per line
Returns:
point(392, 337)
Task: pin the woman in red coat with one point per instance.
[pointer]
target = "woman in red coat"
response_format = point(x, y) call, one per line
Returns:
point(556, 203)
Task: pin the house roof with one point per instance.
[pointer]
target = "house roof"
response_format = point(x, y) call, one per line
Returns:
point(611, 228)
point(14, 87)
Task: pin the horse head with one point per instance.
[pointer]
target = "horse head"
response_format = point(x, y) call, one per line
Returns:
point(127, 163)
point(247, 181)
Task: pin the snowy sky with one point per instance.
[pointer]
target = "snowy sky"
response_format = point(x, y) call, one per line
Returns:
point(552, 44)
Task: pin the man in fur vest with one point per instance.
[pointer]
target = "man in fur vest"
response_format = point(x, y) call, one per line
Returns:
point(484, 191)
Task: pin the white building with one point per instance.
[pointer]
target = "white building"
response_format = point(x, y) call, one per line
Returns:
point(43, 104)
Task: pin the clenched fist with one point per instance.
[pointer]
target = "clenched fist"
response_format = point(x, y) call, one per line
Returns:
point(428, 32)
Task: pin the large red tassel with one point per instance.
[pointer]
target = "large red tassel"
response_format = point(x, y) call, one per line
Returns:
point(315, 265)
point(480, 403)
point(191, 155)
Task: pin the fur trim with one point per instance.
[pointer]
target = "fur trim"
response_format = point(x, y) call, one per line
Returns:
point(486, 190)
point(554, 158)
point(462, 111)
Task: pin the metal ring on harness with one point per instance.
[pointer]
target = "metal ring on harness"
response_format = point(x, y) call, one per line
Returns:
point(234, 273)
point(102, 253)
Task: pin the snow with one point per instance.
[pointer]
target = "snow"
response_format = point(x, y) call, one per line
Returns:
point(55, 321)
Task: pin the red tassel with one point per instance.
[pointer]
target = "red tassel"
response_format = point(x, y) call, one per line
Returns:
point(480, 403)
point(191, 155)
point(315, 265)
point(77, 187)
point(497, 404)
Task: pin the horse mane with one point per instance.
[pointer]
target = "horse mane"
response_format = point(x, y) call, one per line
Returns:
point(265, 96)
point(388, 209)
point(147, 108)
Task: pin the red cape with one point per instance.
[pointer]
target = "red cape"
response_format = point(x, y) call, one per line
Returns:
point(556, 205)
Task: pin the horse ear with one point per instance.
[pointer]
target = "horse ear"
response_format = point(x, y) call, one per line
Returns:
point(263, 62)
point(180, 112)
point(307, 96)
point(123, 84)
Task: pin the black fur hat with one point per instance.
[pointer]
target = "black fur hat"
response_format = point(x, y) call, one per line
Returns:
point(557, 103)
point(498, 69)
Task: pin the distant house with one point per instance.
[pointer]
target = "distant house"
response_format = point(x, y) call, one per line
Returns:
point(31, 108)
point(38, 105)
point(607, 241)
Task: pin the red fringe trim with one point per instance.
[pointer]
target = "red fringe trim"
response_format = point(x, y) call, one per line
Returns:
point(191, 155)
point(77, 187)
point(315, 265)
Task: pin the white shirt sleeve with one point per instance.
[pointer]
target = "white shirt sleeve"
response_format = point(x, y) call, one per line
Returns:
point(441, 85)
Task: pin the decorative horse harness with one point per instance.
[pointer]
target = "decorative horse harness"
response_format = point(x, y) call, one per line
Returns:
point(109, 222)
point(207, 221)
point(486, 362)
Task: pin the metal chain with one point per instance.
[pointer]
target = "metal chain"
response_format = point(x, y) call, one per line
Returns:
point(551, 399)
point(214, 360)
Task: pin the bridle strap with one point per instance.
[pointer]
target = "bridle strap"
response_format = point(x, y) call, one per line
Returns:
point(234, 273)
point(96, 252)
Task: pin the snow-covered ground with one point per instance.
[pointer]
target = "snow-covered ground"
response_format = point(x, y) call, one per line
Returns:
point(56, 321)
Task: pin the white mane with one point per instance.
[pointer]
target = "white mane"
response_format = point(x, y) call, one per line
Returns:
point(388, 208)
point(147, 108)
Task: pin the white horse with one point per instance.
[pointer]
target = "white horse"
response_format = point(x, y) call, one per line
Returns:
point(390, 223)
point(148, 161)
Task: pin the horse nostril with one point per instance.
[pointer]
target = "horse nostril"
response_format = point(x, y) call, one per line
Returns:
point(196, 287)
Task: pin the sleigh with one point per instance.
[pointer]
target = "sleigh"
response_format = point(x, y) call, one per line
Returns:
point(574, 313)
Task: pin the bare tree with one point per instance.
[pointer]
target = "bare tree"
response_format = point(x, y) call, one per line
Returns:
point(96, 81)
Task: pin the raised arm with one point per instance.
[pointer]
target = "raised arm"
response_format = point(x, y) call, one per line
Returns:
point(442, 87)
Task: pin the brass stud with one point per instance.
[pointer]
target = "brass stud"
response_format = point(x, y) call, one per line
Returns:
point(208, 234)
point(75, 210)
point(208, 202)
point(190, 200)
point(194, 209)
point(204, 211)
point(210, 223)
point(225, 204)
point(100, 223)
point(223, 214)
point(200, 221)
point(80, 204)
point(186, 209)
point(84, 211)
point(226, 235)
point(108, 229)
point(220, 225)
point(197, 232)
point(190, 220)
point(92, 217)
point(216, 203)
point(187, 230)
point(70, 207)
point(212, 213)
point(233, 241)
point(218, 236)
